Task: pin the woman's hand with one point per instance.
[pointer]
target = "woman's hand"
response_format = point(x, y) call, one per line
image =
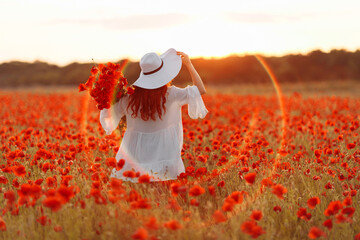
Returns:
point(185, 58)
point(193, 73)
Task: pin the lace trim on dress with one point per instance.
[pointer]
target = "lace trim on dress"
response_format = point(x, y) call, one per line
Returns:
point(161, 170)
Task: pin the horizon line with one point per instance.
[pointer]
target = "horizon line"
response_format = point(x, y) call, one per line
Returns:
point(194, 57)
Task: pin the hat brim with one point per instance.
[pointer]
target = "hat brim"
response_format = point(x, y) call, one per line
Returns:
point(170, 69)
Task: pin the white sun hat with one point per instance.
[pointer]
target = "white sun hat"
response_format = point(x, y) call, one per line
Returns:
point(157, 71)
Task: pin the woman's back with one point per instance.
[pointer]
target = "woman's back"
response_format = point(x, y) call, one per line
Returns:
point(156, 145)
point(170, 117)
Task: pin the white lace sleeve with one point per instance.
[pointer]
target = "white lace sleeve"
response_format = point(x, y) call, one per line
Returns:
point(110, 118)
point(196, 106)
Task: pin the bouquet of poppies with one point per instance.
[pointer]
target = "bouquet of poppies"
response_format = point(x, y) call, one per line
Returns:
point(106, 84)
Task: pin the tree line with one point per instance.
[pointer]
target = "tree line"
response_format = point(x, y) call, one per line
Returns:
point(313, 66)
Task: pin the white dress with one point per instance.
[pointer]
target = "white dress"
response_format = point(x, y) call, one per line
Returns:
point(154, 147)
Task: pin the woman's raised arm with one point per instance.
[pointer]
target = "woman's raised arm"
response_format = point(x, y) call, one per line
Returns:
point(193, 73)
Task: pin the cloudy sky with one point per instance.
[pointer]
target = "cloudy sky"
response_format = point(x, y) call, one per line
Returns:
point(65, 31)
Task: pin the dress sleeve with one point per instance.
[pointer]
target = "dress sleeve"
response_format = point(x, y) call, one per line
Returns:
point(110, 117)
point(191, 96)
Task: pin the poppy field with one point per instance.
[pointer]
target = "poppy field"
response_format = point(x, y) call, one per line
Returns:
point(257, 166)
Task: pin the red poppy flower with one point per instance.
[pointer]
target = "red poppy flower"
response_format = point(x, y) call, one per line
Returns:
point(348, 211)
point(329, 186)
point(350, 146)
point(302, 214)
point(130, 90)
point(283, 152)
point(173, 225)
point(200, 171)
point(140, 234)
point(194, 202)
point(228, 205)
point(267, 182)
point(111, 162)
point(141, 204)
point(177, 188)
point(316, 233)
point(15, 183)
point(51, 182)
point(54, 203)
point(312, 202)
point(333, 208)
point(357, 236)
point(329, 151)
point(10, 196)
point(82, 87)
point(317, 153)
point(279, 190)
point(221, 183)
point(152, 223)
point(25, 190)
point(19, 171)
point(251, 228)
point(130, 174)
point(39, 181)
point(35, 191)
point(250, 178)
point(144, 178)
point(51, 192)
point(328, 224)
point(2, 224)
point(211, 190)
point(116, 184)
point(3, 180)
point(94, 70)
point(256, 215)
point(236, 196)
point(44, 220)
point(341, 218)
point(316, 178)
point(202, 159)
point(58, 228)
point(196, 191)
point(219, 217)
point(353, 193)
point(66, 193)
point(245, 169)
point(347, 201)
point(277, 209)
point(120, 164)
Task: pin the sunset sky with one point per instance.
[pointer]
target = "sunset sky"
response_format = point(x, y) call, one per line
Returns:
point(65, 31)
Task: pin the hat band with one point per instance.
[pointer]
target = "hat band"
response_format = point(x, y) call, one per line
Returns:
point(156, 70)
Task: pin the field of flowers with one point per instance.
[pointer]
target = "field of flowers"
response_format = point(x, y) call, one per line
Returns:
point(256, 167)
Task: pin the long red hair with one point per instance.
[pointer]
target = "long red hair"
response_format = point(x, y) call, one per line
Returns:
point(148, 102)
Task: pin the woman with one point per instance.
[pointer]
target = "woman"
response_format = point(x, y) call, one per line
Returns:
point(153, 139)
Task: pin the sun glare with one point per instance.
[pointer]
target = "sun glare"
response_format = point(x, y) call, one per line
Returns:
point(65, 32)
